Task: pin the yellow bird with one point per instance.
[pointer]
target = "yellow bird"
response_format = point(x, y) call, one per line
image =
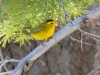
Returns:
point(43, 31)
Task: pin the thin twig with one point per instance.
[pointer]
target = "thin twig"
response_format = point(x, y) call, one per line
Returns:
point(88, 33)
point(46, 10)
point(78, 40)
point(6, 73)
point(81, 41)
point(4, 62)
point(64, 11)
point(1, 55)
point(59, 13)
point(95, 39)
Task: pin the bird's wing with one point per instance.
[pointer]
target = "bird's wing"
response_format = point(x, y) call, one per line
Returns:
point(37, 29)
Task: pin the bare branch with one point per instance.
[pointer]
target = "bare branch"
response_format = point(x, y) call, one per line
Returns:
point(94, 71)
point(79, 40)
point(4, 62)
point(6, 73)
point(89, 33)
point(1, 55)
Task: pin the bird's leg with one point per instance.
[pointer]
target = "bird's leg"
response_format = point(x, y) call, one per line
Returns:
point(40, 43)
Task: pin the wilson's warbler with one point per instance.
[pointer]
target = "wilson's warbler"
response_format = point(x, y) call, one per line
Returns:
point(43, 31)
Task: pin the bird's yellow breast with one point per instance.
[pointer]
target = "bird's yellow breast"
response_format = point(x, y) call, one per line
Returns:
point(44, 34)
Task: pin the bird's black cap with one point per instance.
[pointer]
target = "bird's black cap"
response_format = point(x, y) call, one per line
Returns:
point(49, 20)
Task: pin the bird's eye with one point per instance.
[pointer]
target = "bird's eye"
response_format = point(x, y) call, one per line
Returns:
point(51, 23)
